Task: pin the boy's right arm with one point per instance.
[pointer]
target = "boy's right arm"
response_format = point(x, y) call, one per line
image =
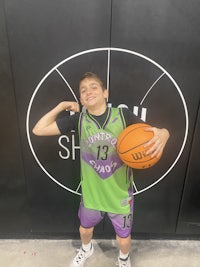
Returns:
point(47, 125)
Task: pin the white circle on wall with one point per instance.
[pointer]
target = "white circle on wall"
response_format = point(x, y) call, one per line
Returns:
point(109, 51)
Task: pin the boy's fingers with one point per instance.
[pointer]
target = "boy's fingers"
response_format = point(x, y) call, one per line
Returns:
point(73, 107)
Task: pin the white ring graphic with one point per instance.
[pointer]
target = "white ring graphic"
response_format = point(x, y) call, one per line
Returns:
point(119, 50)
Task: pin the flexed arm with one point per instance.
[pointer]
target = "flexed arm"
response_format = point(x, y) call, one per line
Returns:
point(47, 126)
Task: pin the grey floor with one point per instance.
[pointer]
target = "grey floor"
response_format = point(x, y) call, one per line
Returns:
point(58, 253)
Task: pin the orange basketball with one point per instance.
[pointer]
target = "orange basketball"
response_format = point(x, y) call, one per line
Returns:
point(130, 146)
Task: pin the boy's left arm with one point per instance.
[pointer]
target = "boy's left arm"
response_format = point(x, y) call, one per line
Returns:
point(158, 141)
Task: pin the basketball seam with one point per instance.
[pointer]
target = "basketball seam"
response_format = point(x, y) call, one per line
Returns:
point(135, 162)
point(132, 148)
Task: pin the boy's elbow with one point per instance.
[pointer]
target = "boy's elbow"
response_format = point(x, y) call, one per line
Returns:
point(36, 131)
point(168, 133)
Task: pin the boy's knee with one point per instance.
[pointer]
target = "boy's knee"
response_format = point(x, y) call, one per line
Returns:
point(124, 241)
point(86, 231)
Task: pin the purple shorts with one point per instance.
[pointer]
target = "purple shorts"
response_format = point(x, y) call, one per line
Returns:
point(122, 223)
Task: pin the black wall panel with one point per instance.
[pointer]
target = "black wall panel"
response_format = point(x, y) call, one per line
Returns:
point(165, 32)
point(189, 219)
point(39, 39)
point(13, 204)
point(154, 46)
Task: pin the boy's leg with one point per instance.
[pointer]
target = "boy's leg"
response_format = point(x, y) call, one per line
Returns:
point(124, 244)
point(88, 219)
point(86, 234)
point(86, 249)
point(122, 224)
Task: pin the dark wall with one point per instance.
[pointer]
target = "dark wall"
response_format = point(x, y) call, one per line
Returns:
point(153, 64)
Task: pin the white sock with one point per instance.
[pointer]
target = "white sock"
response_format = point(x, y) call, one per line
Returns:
point(123, 256)
point(87, 247)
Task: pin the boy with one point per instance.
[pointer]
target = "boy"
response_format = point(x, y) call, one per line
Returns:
point(106, 181)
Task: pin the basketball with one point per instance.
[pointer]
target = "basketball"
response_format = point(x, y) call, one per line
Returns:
point(130, 146)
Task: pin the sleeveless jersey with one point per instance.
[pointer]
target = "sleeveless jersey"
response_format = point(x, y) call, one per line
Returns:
point(106, 182)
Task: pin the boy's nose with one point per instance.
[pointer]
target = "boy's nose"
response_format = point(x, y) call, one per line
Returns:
point(89, 91)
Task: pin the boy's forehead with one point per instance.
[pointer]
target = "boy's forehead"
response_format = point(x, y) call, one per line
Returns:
point(88, 81)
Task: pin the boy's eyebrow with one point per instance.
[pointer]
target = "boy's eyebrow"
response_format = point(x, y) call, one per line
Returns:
point(93, 83)
point(82, 87)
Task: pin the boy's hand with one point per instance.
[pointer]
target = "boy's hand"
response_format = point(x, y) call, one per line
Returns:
point(158, 141)
point(71, 106)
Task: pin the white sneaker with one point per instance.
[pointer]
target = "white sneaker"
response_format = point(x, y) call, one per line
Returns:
point(81, 257)
point(124, 262)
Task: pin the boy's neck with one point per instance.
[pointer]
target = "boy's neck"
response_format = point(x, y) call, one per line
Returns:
point(97, 111)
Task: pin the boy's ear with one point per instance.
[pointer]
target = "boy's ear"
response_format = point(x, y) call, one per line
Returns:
point(80, 101)
point(106, 94)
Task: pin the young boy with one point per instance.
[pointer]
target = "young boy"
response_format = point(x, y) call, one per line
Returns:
point(106, 182)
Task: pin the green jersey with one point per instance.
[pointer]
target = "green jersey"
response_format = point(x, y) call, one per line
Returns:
point(106, 182)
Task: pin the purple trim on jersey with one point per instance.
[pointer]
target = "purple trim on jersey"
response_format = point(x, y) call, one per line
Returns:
point(115, 119)
point(130, 173)
point(104, 168)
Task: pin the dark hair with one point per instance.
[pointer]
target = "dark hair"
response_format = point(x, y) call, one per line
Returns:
point(91, 75)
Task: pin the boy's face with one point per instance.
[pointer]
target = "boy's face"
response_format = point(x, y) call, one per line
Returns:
point(91, 93)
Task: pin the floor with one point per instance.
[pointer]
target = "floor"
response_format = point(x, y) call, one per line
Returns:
point(58, 253)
